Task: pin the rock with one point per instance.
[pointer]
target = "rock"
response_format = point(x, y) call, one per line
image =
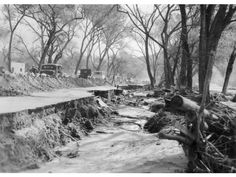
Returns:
point(145, 103)
point(132, 103)
point(83, 111)
point(115, 112)
point(88, 125)
point(234, 99)
point(92, 112)
point(71, 150)
point(73, 154)
point(32, 166)
point(158, 93)
point(155, 107)
point(74, 131)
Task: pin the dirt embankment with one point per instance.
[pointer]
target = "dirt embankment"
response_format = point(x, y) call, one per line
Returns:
point(34, 135)
point(12, 85)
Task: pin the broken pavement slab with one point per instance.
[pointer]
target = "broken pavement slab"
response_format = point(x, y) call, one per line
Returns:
point(41, 99)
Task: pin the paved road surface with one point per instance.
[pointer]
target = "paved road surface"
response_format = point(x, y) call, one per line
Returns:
point(40, 99)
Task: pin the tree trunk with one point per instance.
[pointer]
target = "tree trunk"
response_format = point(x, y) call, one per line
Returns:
point(57, 57)
point(89, 55)
point(87, 59)
point(210, 33)
point(45, 51)
point(78, 63)
point(205, 95)
point(50, 53)
point(202, 48)
point(229, 70)
point(148, 63)
point(176, 61)
point(9, 52)
point(185, 49)
point(189, 73)
point(102, 58)
point(167, 69)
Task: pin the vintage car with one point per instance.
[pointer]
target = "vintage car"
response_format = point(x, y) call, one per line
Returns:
point(98, 75)
point(51, 70)
point(85, 73)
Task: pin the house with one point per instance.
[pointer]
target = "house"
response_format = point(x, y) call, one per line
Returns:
point(18, 68)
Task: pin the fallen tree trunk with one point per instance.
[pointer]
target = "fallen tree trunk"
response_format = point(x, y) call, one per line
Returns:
point(184, 104)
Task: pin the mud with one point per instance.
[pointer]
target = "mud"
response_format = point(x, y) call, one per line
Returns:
point(120, 147)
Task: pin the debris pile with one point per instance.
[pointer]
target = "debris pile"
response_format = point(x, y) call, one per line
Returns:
point(215, 149)
point(157, 122)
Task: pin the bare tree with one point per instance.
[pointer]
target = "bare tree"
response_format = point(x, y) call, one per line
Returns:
point(63, 40)
point(31, 53)
point(113, 65)
point(144, 26)
point(155, 59)
point(93, 25)
point(155, 52)
point(89, 34)
point(165, 12)
point(167, 31)
point(229, 69)
point(10, 14)
point(89, 51)
point(185, 72)
point(53, 19)
point(109, 38)
point(214, 19)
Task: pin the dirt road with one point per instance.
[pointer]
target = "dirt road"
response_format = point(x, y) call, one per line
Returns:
point(121, 148)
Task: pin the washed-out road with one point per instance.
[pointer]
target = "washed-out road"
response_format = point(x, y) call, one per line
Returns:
point(122, 148)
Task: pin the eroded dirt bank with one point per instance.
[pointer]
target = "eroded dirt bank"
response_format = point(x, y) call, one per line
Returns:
point(32, 136)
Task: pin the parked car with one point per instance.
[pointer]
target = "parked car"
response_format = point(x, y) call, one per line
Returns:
point(85, 73)
point(51, 70)
point(98, 75)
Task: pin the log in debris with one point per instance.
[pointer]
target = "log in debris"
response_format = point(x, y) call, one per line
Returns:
point(216, 151)
point(184, 104)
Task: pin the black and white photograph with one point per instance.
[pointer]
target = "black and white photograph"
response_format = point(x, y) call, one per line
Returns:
point(117, 88)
